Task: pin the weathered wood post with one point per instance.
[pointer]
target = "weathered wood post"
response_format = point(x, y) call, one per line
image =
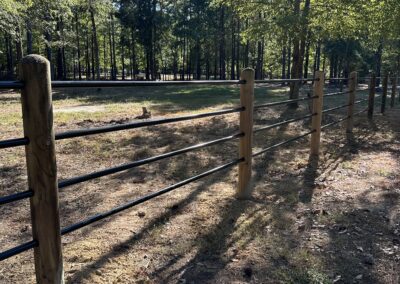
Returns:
point(371, 97)
point(394, 90)
point(317, 109)
point(246, 127)
point(353, 82)
point(384, 92)
point(37, 112)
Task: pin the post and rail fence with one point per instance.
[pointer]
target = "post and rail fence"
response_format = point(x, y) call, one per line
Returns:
point(39, 141)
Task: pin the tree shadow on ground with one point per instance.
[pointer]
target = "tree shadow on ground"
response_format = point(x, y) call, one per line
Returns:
point(215, 248)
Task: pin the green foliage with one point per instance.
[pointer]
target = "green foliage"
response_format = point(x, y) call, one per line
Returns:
point(187, 36)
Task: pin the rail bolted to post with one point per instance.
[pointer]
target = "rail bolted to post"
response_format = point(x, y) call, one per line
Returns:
point(353, 82)
point(317, 109)
point(384, 93)
point(371, 97)
point(37, 112)
point(246, 127)
point(394, 90)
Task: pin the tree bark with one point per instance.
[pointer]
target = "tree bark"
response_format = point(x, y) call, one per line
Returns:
point(78, 45)
point(95, 50)
point(222, 66)
point(28, 37)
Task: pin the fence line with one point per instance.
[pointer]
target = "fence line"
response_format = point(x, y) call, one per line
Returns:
point(39, 143)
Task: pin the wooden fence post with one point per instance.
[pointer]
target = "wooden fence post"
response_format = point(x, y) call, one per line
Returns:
point(371, 97)
point(317, 109)
point(37, 112)
point(246, 127)
point(353, 82)
point(394, 90)
point(384, 92)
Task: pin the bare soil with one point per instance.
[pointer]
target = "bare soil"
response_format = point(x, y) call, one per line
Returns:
point(332, 221)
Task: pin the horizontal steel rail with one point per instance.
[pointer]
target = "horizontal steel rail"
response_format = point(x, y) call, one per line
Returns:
point(145, 198)
point(283, 123)
point(282, 143)
point(369, 78)
point(283, 80)
point(337, 79)
point(100, 84)
point(286, 102)
point(138, 124)
point(334, 122)
point(142, 162)
point(15, 197)
point(360, 101)
point(16, 85)
point(336, 94)
point(13, 143)
point(335, 108)
point(360, 112)
point(18, 249)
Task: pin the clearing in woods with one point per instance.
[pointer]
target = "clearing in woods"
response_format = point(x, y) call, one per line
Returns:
point(338, 221)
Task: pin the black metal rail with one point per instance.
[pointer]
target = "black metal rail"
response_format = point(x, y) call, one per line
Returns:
point(101, 84)
point(286, 102)
point(335, 108)
point(334, 122)
point(15, 197)
point(284, 80)
point(138, 124)
point(360, 101)
point(13, 143)
point(337, 94)
point(145, 198)
point(283, 123)
point(16, 85)
point(337, 79)
point(138, 163)
point(18, 249)
point(360, 112)
point(282, 143)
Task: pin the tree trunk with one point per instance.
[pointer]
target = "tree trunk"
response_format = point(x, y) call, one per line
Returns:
point(48, 39)
point(112, 49)
point(10, 58)
point(238, 49)
point(222, 66)
point(87, 56)
point(134, 65)
point(233, 47)
point(378, 62)
point(307, 58)
point(299, 50)
point(198, 60)
point(289, 59)
point(78, 45)
point(28, 37)
point(283, 73)
point(95, 50)
point(123, 55)
point(60, 67)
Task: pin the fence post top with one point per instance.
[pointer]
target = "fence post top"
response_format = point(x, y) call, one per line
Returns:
point(249, 71)
point(34, 59)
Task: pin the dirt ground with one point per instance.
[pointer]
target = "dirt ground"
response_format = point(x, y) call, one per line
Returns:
point(332, 221)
